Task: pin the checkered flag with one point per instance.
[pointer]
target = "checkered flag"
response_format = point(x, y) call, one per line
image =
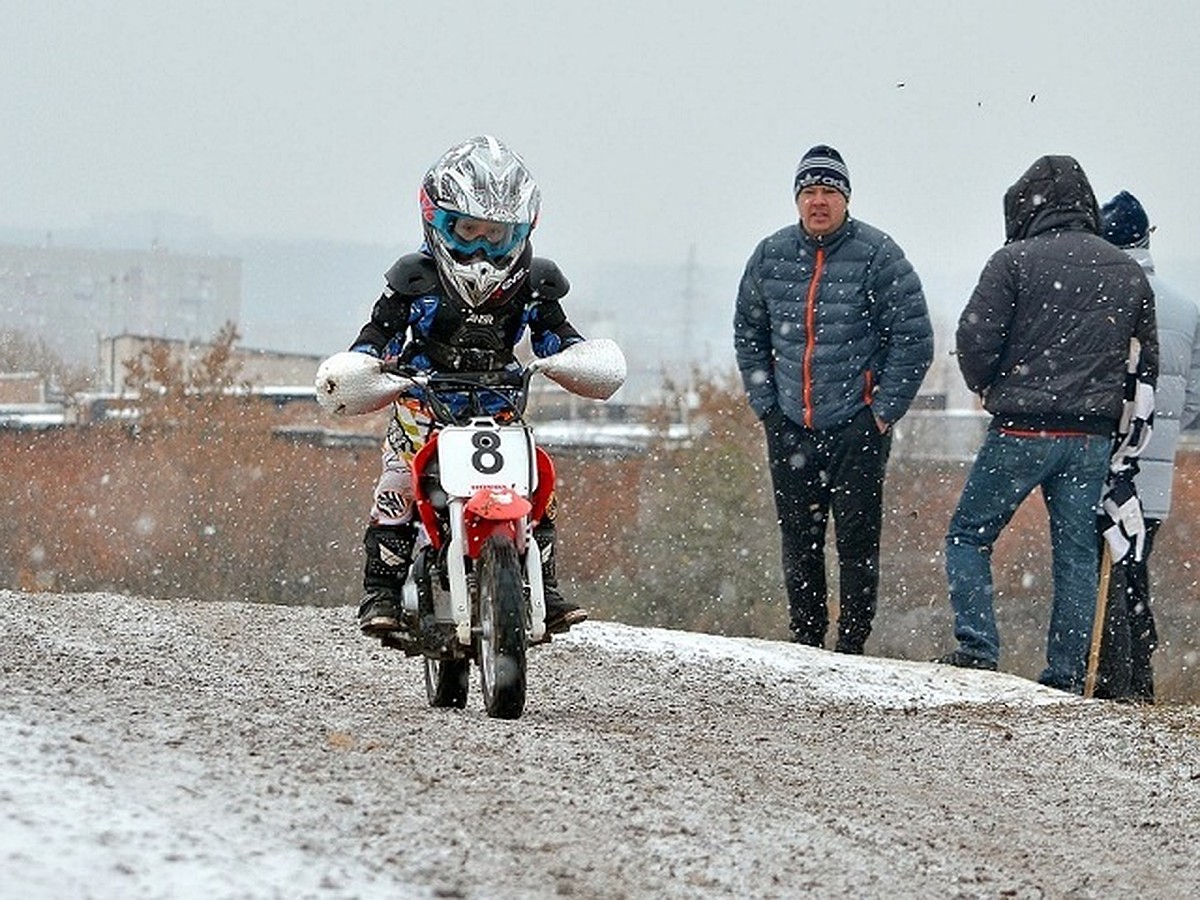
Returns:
point(1120, 518)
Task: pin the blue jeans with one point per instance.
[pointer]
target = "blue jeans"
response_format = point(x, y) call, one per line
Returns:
point(1070, 470)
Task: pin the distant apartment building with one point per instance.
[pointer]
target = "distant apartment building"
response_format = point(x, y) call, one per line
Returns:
point(73, 298)
point(295, 372)
point(22, 387)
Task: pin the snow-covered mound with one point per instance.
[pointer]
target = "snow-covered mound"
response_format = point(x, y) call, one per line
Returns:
point(835, 678)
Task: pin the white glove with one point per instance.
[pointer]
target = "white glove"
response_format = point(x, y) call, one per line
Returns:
point(594, 369)
point(351, 384)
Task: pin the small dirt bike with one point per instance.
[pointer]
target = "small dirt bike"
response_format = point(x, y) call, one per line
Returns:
point(474, 591)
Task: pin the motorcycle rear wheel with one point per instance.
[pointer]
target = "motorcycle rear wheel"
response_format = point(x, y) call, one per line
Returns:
point(447, 681)
point(502, 638)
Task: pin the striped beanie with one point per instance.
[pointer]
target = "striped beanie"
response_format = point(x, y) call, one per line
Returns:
point(822, 165)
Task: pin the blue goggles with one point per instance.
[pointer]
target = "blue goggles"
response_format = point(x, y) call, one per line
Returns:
point(468, 236)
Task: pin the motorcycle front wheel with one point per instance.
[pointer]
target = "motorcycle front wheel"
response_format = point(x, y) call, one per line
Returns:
point(502, 639)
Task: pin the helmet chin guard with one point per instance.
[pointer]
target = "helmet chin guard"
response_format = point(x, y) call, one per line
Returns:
point(478, 187)
point(475, 280)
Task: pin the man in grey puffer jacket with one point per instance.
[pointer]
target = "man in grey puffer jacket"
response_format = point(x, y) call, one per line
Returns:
point(1044, 341)
point(832, 338)
point(1126, 671)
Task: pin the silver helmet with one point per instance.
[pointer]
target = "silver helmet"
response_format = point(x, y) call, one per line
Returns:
point(479, 203)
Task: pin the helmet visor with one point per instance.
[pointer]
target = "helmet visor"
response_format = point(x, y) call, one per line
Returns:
point(467, 236)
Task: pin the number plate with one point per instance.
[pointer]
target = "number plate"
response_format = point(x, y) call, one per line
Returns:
point(471, 458)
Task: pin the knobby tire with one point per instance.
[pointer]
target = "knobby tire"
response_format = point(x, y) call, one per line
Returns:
point(502, 635)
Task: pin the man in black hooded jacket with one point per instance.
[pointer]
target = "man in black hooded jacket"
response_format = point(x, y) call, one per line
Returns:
point(1044, 342)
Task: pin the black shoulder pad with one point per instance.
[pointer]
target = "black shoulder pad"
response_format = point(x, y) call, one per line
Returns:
point(412, 275)
point(546, 280)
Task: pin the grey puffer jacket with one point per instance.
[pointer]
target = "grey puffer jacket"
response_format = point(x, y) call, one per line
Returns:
point(1045, 336)
point(827, 325)
point(1177, 394)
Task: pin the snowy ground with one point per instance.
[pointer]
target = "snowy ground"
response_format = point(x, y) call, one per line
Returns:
point(205, 749)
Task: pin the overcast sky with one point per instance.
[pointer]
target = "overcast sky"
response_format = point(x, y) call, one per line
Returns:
point(652, 126)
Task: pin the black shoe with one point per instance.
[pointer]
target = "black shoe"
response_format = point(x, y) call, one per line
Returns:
point(438, 639)
point(965, 661)
point(381, 612)
point(807, 634)
point(561, 615)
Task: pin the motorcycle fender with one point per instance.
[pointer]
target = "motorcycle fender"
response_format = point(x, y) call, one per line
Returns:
point(490, 510)
point(543, 485)
point(498, 505)
point(426, 509)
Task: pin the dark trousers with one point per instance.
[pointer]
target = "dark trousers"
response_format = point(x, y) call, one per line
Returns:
point(1130, 637)
point(814, 473)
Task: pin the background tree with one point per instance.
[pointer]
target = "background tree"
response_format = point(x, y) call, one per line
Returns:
point(21, 353)
point(704, 550)
point(209, 500)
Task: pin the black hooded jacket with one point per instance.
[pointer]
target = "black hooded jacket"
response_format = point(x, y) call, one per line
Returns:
point(1045, 337)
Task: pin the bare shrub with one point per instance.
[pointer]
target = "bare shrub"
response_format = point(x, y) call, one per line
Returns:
point(701, 549)
point(20, 352)
point(203, 499)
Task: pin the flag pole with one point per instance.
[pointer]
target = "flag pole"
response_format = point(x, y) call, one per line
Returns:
point(1093, 667)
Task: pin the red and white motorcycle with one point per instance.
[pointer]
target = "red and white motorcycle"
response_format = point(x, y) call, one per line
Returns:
point(474, 591)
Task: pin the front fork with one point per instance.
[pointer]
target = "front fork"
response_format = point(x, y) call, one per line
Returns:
point(536, 605)
point(456, 568)
point(456, 571)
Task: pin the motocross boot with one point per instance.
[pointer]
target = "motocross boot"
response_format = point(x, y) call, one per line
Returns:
point(561, 614)
point(389, 551)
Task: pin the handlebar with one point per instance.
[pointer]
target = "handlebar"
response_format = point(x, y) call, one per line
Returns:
point(506, 388)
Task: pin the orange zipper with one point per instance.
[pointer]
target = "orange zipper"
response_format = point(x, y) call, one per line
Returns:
point(810, 342)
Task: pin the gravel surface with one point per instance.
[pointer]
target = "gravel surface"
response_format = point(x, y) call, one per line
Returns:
point(153, 748)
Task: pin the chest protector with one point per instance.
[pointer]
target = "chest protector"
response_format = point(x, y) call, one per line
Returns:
point(457, 337)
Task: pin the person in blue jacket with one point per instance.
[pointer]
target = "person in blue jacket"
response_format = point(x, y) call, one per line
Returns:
point(462, 303)
point(832, 338)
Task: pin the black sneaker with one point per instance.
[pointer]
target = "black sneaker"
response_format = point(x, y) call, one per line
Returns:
point(381, 612)
point(560, 614)
point(965, 661)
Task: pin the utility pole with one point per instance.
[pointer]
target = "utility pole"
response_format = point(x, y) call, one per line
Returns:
point(690, 299)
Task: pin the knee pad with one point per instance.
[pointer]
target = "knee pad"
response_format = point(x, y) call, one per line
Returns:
point(389, 550)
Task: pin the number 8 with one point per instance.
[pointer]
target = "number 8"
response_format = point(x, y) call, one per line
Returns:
point(487, 458)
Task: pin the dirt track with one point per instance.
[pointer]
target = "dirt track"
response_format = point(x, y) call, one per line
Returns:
point(209, 749)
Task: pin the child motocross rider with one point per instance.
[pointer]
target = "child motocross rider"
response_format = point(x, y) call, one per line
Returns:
point(460, 304)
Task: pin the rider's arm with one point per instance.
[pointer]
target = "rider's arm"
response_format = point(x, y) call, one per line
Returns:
point(549, 329)
point(411, 276)
point(546, 341)
point(389, 321)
